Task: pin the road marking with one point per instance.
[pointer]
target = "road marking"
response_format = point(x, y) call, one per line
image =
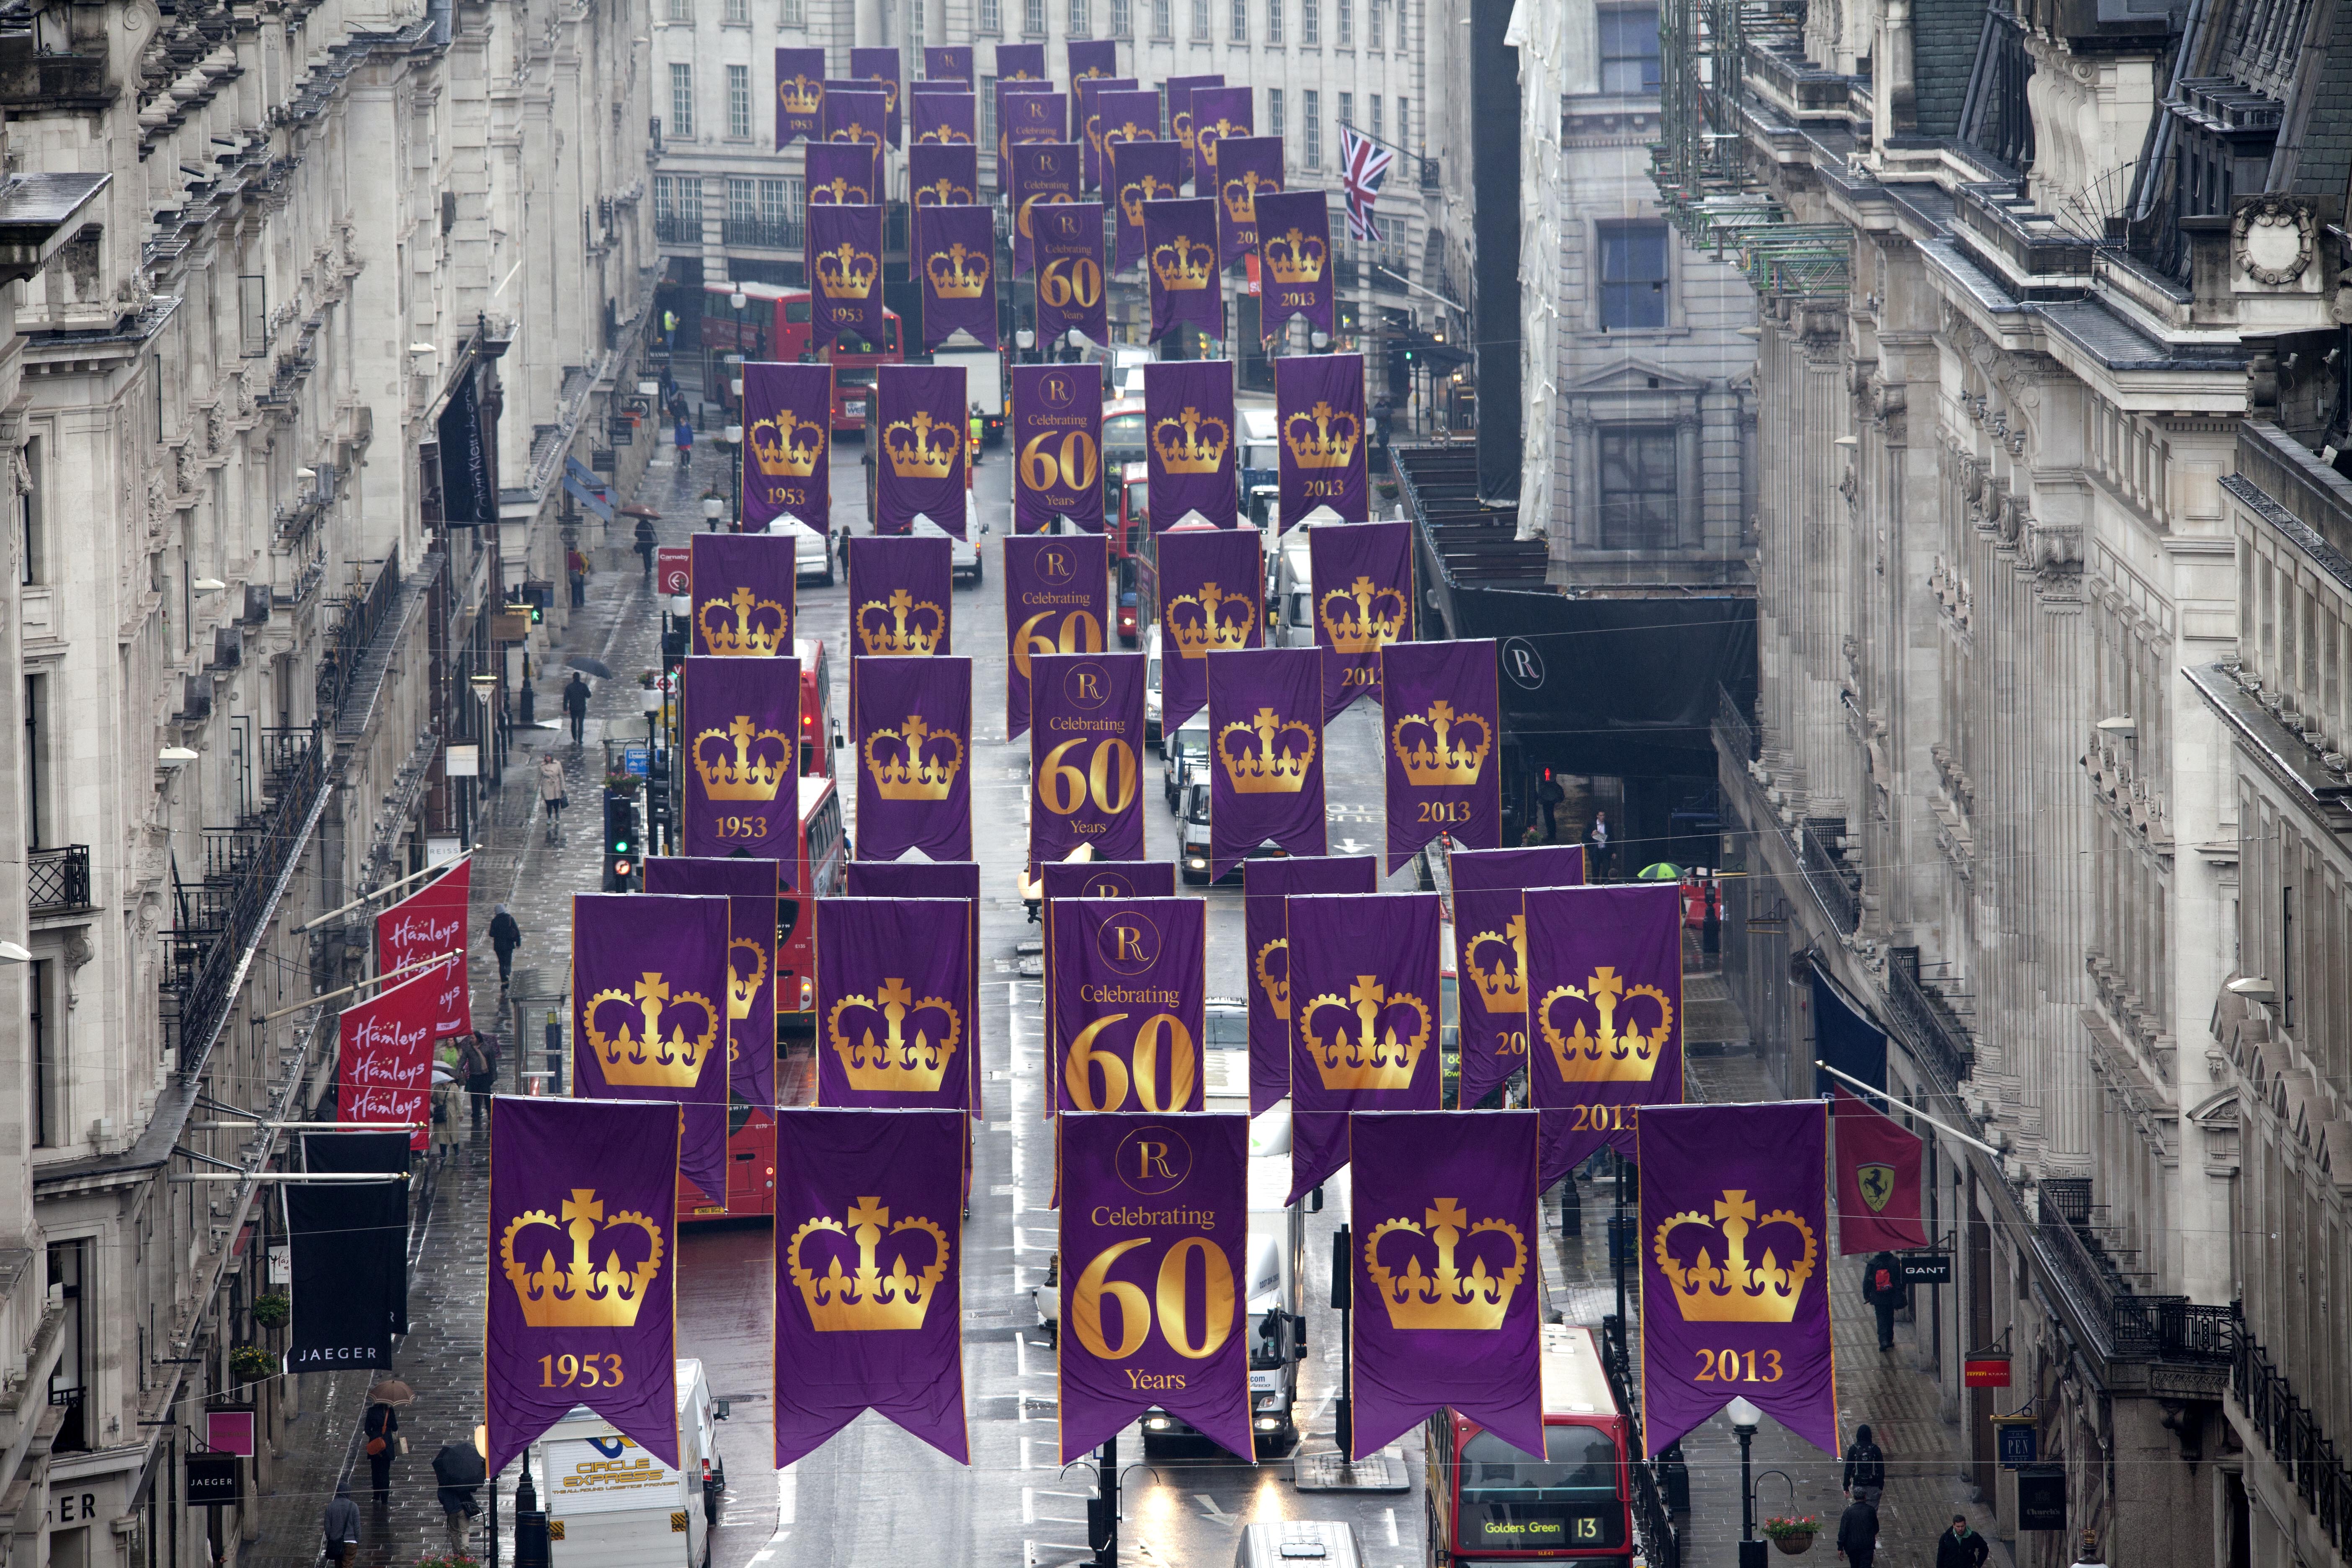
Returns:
point(1388, 1517)
point(788, 1497)
point(1209, 1503)
point(1028, 1505)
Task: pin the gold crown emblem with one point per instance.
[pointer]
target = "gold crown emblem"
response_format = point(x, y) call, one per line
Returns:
point(742, 989)
point(1738, 1292)
point(890, 93)
point(800, 95)
point(942, 192)
point(855, 134)
point(1293, 258)
point(945, 135)
point(643, 1056)
point(900, 1062)
point(901, 623)
point(1437, 755)
point(1192, 442)
point(914, 762)
point(756, 629)
point(1130, 131)
point(1609, 1055)
point(1240, 195)
point(958, 274)
point(1375, 1057)
point(845, 272)
point(1373, 619)
point(582, 1296)
point(1209, 624)
point(840, 191)
point(1271, 769)
point(761, 761)
point(1146, 188)
point(1321, 437)
point(921, 448)
point(1276, 986)
point(1448, 1298)
point(1183, 265)
point(786, 446)
point(1502, 985)
point(867, 1299)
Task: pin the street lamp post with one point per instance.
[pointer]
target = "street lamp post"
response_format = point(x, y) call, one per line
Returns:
point(733, 435)
point(1744, 1418)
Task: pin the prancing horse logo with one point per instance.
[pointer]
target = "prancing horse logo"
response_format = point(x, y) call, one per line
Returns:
point(1877, 1184)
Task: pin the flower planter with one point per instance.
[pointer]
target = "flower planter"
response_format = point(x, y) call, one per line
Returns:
point(1794, 1541)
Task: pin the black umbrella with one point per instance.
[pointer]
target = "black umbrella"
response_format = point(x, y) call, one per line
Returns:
point(596, 667)
point(459, 1465)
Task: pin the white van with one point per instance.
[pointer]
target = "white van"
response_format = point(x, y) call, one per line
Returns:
point(610, 1504)
point(1293, 616)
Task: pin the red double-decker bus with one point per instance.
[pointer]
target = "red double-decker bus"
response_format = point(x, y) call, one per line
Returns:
point(774, 325)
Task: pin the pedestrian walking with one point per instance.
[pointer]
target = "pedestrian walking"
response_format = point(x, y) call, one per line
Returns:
point(477, 1061)
point(551, 798)
point(1961, 1547)
point(505, 936)
point(575, 707)
point(685, 441)
point(1883, 1288)
point(458, 1470)
point(1596, 851)
point(1710, 926)
point(670, 330)
point(1865, 1478)
point(1857, 1534)
point(646, 545)
point(1549, 794)
point(381, 1426)
point(575, 566)
point(340, 1524)
point(448, 1109)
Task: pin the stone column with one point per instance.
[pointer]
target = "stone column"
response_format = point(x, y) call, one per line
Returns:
point(1690, 493)
point(2063, 868)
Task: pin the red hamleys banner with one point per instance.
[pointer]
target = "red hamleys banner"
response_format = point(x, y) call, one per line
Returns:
point(386, 1067)
point(427, 924)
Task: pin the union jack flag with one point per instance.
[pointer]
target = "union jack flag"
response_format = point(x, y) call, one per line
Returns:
point(1364, 168)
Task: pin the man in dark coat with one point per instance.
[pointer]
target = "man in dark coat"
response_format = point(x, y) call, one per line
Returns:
point(1857, 1536)
point(575, 707)
point(1866, 1469)
point(505, 937)
point(457, 1469)
point(381, 1425)
point(1882, 1287)
point(1961, 1547)
point(341, 1523)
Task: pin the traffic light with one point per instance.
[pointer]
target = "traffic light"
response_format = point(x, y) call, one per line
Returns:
point(622, 847)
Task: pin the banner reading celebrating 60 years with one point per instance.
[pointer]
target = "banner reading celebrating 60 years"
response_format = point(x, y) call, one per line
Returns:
point(869, 1266)
point(649, 988)
point(1735, 1275)
point(1130, 987)
point(582, 1271)
point(1154, 1228)
point(1086, 748)
point(1057, 600)
point(742, 720)
point(1438, 703)
point(1057, 446)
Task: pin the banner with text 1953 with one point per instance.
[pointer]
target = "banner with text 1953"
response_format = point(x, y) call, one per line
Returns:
point(425, 924)
point(1361, 578)
point(1294, 262)
point(1154, 1302)
point(1266, 885)
point(742, 588)
point(1131, 987)
point(1438, 709)
point(1057, 600)
point(582, 1271)
point(1319, 411)
point(1735, 1275)
point(1045, 173)
point(1070, 293)
point(1605, 1014)
point(1266, 749)
point(742, 720)
point(911, 728)
point(649, 988)
point(1189, 424)
point(843, 174)
point(943, 175)
point(1210, 593)
point(1447, 1289)
point(956, 261)
point(1140, 172)
point(1180, 262)
point(1057, 415)
point(385, 1071)
point(1364, 977)
point(750, 886)
point(800, 95)
point(787, 447)
point(893, 989)
point(844, 255)
point(880, 67)
point(923, 421)
point(1086, 748)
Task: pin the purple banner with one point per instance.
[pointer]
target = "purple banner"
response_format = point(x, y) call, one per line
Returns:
point(844, 252)
point(1058, 412)
point(900, 595)
point(1086, 748)
point(869, 1266)
point(1088, 94)
point(1438, 709)
point(946, 119)
point(1092, 58)
point(800, 95)
point(943, 175)
point(649, 985)
point(953, 63)
point(743, 591)
point(1248, 168)
point(1179, 111)
point(855, 114)
point(750, 888)
point(1140, 171)
point(1536, 866)
point(1188, 411)
point(1364, 1017)
point(880, 67)
point(1123, 117)
point(582, 1271)
point(1294, 264)
point(1062, 879)
point(788, 441)
point(1490, 958)
point(1211, 581)
point(741, 720)
point(1155, 1226)
point(958, 879)
point(922, 86)
point(1218, 112)
point(844, 173)
point(1020, 62)
point(912, 730)
point(922, 418)
point(1057, 600)
point(1070, 293)
point(1362, 578)
point(1265, 884)
point(893, 990)
point(957, 262)
point(1129, 994)
point(1735, 1279)
point(1605, 973)
point(1447, 1286)
point(1027, 113)
point(1179, 245)
point(1266, 710)
point(1318, 410)
point(1044, 174)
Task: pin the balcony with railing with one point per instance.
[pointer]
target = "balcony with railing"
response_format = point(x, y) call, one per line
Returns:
point(765, 231)
point(677, 225)
point(2289, 1430)
point(56, 880)
point(2128, 1325)
point(1936, 1033)
point(1838, 888)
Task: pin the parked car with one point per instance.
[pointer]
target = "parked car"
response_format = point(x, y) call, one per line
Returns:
point(812, 550)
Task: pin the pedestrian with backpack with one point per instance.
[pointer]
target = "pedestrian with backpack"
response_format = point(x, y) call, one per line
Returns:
point(1882, 1287)
point(1866, 1469)
point(477, 1060)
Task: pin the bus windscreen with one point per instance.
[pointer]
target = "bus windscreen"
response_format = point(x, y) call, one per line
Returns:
point(1566, 1501)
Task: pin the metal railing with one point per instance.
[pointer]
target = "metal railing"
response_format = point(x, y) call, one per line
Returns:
point(361, 614)
point(2292, 1433)
point(1732, 726)
point(1839, 890)
point(763, 233)
point(1652, 1521)
point(678, 227)
point(1936, 1033)
point(58, 879)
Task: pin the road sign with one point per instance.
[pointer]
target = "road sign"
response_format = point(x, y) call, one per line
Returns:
point(633, 761)
point(674, 568)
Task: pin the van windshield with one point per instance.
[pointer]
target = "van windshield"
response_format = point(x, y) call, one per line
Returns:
point(1567, 1498)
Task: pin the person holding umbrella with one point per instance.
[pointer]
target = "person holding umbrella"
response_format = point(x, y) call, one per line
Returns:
point(457, 1469)
point(575, 707)
point(381, 1426)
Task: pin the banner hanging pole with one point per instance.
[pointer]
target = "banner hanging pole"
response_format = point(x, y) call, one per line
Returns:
point(1970, 1139)
point(449, 865)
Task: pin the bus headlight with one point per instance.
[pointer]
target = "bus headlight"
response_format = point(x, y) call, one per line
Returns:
point(808, 995)
point(1155, 1424)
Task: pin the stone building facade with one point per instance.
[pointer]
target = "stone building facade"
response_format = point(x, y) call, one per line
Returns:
point(253, 635)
